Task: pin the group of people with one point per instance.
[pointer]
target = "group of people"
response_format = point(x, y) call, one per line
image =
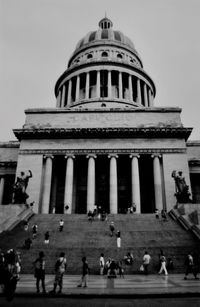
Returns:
point(98, 213)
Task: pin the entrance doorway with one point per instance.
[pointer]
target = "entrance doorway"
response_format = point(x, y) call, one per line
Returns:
point(102, 183)
point(146, 184)
point(124, 183)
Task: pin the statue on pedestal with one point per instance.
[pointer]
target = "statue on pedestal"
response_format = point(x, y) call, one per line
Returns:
point(20, 195)
point(182, 189)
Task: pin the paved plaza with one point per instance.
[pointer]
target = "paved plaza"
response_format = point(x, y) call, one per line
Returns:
point(135, 285)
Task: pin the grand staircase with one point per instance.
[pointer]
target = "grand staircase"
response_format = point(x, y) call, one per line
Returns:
point(139, 232)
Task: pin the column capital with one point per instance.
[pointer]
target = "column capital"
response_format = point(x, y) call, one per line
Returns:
point(134, 155)
point(48, 156)
point(113, 156)
point(91, 156)
point(156, 155)
point(69, 156)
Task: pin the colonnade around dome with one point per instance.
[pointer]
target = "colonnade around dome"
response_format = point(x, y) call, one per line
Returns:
point(119, 85)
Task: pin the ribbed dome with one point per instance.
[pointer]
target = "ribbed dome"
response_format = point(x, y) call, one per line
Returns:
point(105, 33)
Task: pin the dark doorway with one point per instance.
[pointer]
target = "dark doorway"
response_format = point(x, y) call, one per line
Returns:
point(124, 183)
point(146, 184)
point(102, 182)
point(80, 170)
point(58, 185)
point(8, 189)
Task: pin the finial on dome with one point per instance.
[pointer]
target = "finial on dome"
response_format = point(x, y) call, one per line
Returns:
point(105, 23)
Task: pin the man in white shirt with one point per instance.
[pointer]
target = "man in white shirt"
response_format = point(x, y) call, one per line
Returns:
point(102, 264)
point(146, 261)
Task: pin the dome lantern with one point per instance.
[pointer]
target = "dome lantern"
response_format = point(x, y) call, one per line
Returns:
point(105, 23)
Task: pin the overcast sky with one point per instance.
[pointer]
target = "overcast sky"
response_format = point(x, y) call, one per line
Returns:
point(37, 37)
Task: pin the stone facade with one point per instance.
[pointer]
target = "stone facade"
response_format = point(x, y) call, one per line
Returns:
point(105, 143)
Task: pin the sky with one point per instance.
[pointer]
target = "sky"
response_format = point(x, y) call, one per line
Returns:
point(37, 37)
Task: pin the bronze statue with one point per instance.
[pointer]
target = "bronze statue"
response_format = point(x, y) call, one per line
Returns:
point(20, 195)
point(181, 188)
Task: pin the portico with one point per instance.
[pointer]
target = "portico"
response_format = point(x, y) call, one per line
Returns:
point(87, 177)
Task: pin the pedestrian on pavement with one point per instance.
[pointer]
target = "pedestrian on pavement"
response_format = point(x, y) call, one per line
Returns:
point(34, 231)
point(61, 225)
point(163, 264)
point(85, 272)
point(60, 268)
point(46, 237)
point(157, 213)
point(112, 229)
point(164, 215)
point(146, 262)
point(26, 225)
point(190, 268)
point(102, 264)
point(118, 235)
point(39, 265)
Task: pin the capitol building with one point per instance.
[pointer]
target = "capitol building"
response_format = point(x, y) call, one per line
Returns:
point(104, 142)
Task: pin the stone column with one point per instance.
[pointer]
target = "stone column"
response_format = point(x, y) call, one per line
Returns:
point(77, 88)
point(69, 178)
point(138, 91)
point(157, 182)
point(145, 96)
point(98, 85)
point(130, 86)
point(120, 85)
point(58, 100)
point(91, 183)
point(47, 184)
point(109, 85)
point(63, 96)
point(135, 182)
point(150, 98)
point(87, 85)
point(2, 183)
point(113, 184)
point(69, 92)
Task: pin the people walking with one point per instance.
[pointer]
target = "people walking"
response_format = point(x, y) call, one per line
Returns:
point(85, 272)
point(163, 264)
point(102, 264)
point(60, 268)
point(146, 262)
point(61, 225)
point(118, 235)
point(157, 213)
point(112, 229)
point(46, 237)
point(39, 265)
point(34, 231)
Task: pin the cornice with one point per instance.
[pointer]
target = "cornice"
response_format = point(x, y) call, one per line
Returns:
point(102, 151)
point(104, 110)
point(62, 133)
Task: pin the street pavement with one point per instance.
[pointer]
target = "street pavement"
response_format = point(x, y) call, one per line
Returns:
point(130, 285)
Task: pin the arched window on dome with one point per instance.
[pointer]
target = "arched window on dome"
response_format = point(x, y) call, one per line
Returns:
point(119, 56)
point(104, 54)
point(89, 56)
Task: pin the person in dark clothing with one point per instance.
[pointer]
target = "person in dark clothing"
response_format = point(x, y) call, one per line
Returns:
point(112, 271)
point(39, 265)
point(112, 229)
point(27, 243)
point(85, 272)
point(190, 266)
point(46, 237)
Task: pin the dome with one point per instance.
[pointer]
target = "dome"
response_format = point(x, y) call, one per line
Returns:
point(105, 33)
